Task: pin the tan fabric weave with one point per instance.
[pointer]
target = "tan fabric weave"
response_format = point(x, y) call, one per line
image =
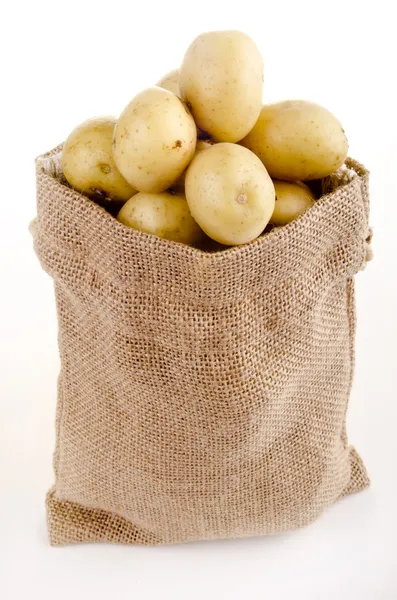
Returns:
point(201, 395)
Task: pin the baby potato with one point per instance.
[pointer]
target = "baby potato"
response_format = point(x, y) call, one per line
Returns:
point(165, 215)
point(298, 140)
point(292, 200)
point(221, 79)
point(170, 82)
point(200, 146)
point(229, 193)
point(154, 140)
point(88, 164)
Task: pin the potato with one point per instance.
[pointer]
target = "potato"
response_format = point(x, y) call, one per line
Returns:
point(88, 163)
point(154, 140)
point(200, 146)
point(298, 140)
point(292, 200)
point(221, 79)
point(170, 82)
point(229, 193)
point(165, 215)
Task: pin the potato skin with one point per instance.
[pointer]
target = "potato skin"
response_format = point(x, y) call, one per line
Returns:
point(298, 140)
point(88, 163)
point(292, 200)
point(221, 79)
point(229, 193)
point(170, 82)
point(154, 140)
point(163, 214)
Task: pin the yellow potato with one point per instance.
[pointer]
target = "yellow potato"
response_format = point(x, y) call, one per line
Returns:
point(298, 140)
point(165, 215)
point(170, 82)
point(292, 200)
point(200, 146)
point(229, 193)
point(221, 79)
point(88, 163)
point(154, 140)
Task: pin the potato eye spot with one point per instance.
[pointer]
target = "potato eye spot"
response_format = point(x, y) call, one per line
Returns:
point(177, 144)
point(105, 168)
point(242, 198)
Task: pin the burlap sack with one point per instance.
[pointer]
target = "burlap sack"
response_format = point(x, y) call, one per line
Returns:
point(201, 395)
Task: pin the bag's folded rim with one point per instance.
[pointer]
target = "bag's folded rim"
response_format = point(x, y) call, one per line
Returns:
point(352, 174)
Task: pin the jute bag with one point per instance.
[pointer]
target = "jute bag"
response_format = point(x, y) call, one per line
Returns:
point(201, 395)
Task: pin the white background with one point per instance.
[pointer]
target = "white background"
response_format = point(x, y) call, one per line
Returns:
point(64, 62)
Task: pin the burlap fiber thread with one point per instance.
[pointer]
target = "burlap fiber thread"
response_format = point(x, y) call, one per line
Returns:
point(201, 395)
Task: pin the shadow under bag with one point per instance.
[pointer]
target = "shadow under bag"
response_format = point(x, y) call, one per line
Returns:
point(201, 395)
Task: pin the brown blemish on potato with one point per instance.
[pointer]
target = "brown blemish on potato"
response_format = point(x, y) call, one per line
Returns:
point(177, 144)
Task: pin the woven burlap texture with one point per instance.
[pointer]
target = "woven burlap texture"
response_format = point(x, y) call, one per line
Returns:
point(201, 395)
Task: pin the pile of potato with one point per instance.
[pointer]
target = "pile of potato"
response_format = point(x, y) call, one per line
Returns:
point(199, 157)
